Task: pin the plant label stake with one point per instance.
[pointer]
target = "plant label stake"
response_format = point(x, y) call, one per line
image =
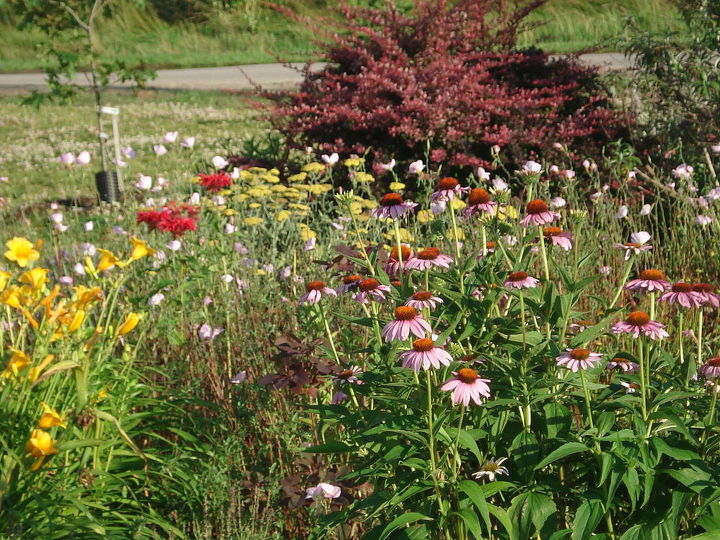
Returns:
point(109, 183)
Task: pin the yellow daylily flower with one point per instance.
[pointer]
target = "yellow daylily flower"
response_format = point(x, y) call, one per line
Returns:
point(14, 297)
point(85, 295)
point(18, 361)
point(36, 278)
point(107, 260)
point(21, 251)
point(74, 323)
point(50, 418)
point(39, 446)
point(4, 278)
point(36, 371)
point(140, 249)
point(129, 324)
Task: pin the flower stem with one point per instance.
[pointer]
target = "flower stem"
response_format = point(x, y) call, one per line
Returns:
point(431, 438)
point(699, 337)
point(628, 267)
point(328, 332)
point(456, 242)
point(643, 389)
point(399, 248)
point(588, 410)
point(543, 252)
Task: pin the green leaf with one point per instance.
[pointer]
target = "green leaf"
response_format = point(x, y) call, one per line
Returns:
point(477, 496)
point(472, 522)
point(565, 450)
point(526, 452)
point(332, 447)
point(558, 420)
point(681, 454)
point(401, 521)
point(504, 519)
point(587, 518)
point(636, 532)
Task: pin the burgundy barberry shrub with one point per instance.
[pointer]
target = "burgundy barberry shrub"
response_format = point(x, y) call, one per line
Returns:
point(447, 73)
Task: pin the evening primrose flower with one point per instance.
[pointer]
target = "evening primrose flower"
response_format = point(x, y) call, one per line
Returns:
point(323, 489)
point(129, 324)
point(637, 244)
point(50, 418)
point(21, 251)
point(140, 249)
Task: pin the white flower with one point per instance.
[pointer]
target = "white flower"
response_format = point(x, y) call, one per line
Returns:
point(331, 160)
point(416, 167)
point(554, 169)
point(714, 193)
point(715, 148)
point(389, 165)
point(160, 150)
point(162, 182)
point(323, 489)
point(683, 172)
point(229, 228)
point(595, 196)
point(170, 137)
point(640, 237)
point(155, 299)
point(219, 162)
point(194, 198)
point(218, 200)
point(89, 249)
point(227, 278)
point(510, 240)
point(88, 226)
point(605, 270)
point(703, 220)
point(569, 174)
point(174, 245)
point(56, 218)
point(235, 174)
point(621, 213)
point(188, 142)
point(208, 333)
point(310, 244)
point(646, 209)
point(83, 158)
point(491, 468)
point(482, 174)
point(144, 182)
point(128, 152)
point(531, 167)
point(79, 269)
point(558, 202)
point(499, 184)
point(67, 158)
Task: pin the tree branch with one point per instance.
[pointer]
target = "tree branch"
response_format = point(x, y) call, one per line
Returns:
point(85, 26)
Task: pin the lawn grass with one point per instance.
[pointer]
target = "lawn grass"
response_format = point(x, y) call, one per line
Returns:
point(256, 34)
point(33, 139)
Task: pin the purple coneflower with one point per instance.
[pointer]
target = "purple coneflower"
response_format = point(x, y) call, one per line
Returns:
point(348, 376)
point(627, 366)
point(575, 359)
point(711, 370)
point(637, 244)
point(407, 321)
point(638, 322)
point(491, 468)
point(520, 280)
point(349, 283)
point(558, 237)
point(422, 300)
point(425, 354)
point(649, 281)
point(683, 294)
point(580, 325)
point(705, 290)
point(466, 386)
point(393, 265)
point(447, 189)
point(479, 201)
point(538, 213)
point(314, 291)
point(428, 258)
point(392, 206)
point(371, 287)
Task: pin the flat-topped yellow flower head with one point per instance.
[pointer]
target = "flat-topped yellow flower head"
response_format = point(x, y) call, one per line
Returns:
point(21, 251)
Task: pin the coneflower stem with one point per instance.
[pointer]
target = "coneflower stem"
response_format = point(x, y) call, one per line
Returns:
point(588, 410)
point(484, 240)
point(456, 447)
point(456, 242)
point(681, 320)
point(431, 436)
point(628, 267)
point(370, 267)
point(543, 252)
point(643, 367)
point(699, 338)
point(328, 332)
point(399, 248)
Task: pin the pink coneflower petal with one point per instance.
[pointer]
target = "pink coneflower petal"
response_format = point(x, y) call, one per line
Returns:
point(649, 281)
point(639, 323)
point(576, 359)
point(466, 386)
point(520, 280)
point(427, 259)
point(538, 213)
point(424, 355)
point(407, 321)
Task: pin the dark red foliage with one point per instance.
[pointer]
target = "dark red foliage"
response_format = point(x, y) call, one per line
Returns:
point(215, 182)
point(448, 74)
point(174, 218)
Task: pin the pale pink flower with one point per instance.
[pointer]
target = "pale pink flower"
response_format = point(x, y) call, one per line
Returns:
point(407, 320)
point(83, 158)
point(156, 299)
point(208, 333)
point(425, 354)
point(683, 294)
point(557, 202)
point(390, 165)
point(170, 137)
point(159, 150)
point(219, 162)
point(703, 220)
point(416, 167)
point(482, 174)
point(188, 142)
point(520, 280)
point(144, 182)
point(427, 259)
point(622, 212)
point(538, 213)
point(683, 172)
point(314, 291)
point(649, 281)
point(645, 210)
point(67, 158)
point(575, 359)
point(531, 168)
point(637, 244)
point(423, 300)
point(639, 323)
point(327, 491)
point(331, 160)
point(466, 386)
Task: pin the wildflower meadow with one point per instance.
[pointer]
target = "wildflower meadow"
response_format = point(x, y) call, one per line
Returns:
point(329, 331)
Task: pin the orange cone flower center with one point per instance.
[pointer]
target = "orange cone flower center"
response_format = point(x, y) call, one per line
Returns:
point(315, 286)
point(405, 313)
point(517, 276)
point(404, 251)
point(423, 345)
point(538, 206)
point(351, 279)
point(632, 245)
point(447, 183)
point(429, 254)
point(579, 354)
point(479, 196)
point(652, 275)
point(490, 245)
point(391, 199)
point(467, 375)
point(702, 287)
point(369, 284)
point(552, 231)
point(422, 296)
point(714, 362)
point(638, 318)
point(682, 287)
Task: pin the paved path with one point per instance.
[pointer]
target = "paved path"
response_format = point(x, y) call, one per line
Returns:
point(271, 76)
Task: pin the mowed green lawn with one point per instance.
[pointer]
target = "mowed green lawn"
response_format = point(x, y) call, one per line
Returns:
point(33, 139)
point(257, 34)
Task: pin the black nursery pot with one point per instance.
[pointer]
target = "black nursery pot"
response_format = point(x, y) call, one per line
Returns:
point(108, 186)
